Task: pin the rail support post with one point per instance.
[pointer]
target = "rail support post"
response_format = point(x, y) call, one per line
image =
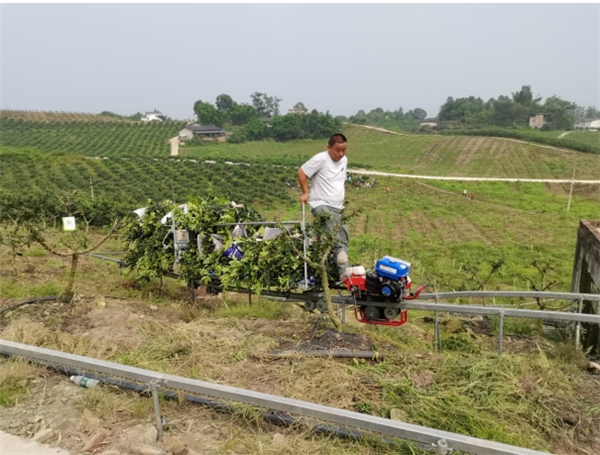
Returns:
point(442, 447)
point(159, 427)
point(578, 325)
point(437, 343)
point(343, 313)
point(500, 331)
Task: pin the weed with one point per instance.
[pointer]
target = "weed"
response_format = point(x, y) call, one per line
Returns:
point(14, 376)
point(459, 344)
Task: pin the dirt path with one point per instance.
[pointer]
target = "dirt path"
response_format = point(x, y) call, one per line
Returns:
point(564, 134)
point(381, 130)
point(13, 445)
point(471, 179)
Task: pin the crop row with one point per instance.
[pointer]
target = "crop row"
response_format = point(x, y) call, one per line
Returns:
point(56, 116)
point(104, 139)
point(131, 181)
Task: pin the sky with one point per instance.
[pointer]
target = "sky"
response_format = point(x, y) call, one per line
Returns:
point(336, 57)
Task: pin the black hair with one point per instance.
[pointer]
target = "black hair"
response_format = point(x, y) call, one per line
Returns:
point(337, 138)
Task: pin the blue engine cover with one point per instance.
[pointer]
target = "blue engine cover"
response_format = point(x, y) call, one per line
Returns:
point(392, 268)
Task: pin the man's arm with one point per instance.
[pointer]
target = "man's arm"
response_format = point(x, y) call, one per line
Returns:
point(303, 181)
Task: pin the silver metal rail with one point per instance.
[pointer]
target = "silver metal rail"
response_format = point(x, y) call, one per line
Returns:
point(505, 294)
point(258, 223)
point(503, 311)
point(472, 309)
point(104, 258)
point(437, 438)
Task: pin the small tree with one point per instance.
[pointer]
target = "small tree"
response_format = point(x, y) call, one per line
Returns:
point(209, 114)
point(256, 130)
point(78, 246)
point(15, 237)
point(320, 260)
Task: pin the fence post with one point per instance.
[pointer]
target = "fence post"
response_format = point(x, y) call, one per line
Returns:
point(500, 331)
point(159, 428)
point(578, 326)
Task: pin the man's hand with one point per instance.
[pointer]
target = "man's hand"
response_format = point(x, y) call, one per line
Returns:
point(303, 181)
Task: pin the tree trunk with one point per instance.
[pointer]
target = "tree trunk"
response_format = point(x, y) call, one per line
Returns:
point(327, 297)
point(67, 295)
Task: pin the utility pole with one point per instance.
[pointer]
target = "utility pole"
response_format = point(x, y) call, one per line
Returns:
point(571, 192)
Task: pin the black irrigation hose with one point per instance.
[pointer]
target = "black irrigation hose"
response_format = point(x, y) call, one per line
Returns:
point(278, 418)
point(28, 302)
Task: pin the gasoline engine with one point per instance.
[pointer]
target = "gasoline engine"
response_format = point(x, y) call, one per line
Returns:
point(378, 293)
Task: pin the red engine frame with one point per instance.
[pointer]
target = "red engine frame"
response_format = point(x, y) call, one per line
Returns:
point(395, 323)
point(354, 283)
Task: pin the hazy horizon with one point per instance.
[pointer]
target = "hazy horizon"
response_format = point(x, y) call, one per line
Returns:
point(336, 57)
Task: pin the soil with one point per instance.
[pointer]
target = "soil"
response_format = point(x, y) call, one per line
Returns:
point(56, 403)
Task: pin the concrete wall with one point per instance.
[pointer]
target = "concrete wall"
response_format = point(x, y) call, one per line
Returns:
point(586, 277)
point(536, 121)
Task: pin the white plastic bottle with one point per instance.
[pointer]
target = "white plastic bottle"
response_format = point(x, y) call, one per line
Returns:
point(85, 382)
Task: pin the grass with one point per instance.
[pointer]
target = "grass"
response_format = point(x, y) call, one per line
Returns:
point(522, 398)
point(14, 377)
point(591, 138)
point(444, 235)
point(517, 398)
point(421, 154)
point(16, 289)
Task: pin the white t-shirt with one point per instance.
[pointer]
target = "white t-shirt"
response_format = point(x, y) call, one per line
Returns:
point(327, 178)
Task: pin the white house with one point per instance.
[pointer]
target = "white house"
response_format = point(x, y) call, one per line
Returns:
point(205, 131)
point(431, 122)
point(537, 120)
point(154, 115)
point(591, 124)
point(298, 110)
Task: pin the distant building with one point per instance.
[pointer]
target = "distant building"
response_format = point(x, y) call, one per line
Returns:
point(538, 120)
point(298, 110)
point(590, 124)
point(204, 131)
point(154, 115)
point(430, 122)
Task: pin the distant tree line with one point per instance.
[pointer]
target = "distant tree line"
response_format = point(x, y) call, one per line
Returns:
point(261, 119)
point(473, 112)
point(136, 117)
point(407, 121)
point(512, 111)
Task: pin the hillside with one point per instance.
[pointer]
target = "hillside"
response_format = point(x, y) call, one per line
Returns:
point(61, 117)
point(430, 155)
point(526, 397)
point(452, 242)
point(104, 138)
point(130, 182)
point(466, 156)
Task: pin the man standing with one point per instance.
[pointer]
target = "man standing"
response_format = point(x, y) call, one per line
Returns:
point(327, 173)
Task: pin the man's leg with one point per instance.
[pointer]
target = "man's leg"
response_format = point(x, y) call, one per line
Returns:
point(340, 247)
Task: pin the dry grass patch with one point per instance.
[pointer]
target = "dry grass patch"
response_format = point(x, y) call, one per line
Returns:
point(14, 377)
